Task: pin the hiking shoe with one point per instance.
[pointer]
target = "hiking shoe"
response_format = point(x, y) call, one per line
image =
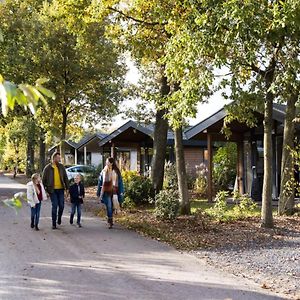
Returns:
point(54, 227)
point(79, 225)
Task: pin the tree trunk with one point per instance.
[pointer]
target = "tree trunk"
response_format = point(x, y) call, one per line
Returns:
point(181, 173)
point(160, 142)
point(42, 146)
point(30, 148)
point(286, 199)
point(63, 135)
point(266, 212)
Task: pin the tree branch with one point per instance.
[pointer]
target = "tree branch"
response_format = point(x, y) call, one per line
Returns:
point(137, 20)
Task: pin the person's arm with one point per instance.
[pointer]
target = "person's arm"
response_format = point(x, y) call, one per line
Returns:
point(44, 179)
point(29, 195)
point(83, 191)
point(121, 189)
point(65, 177)
point(100, 183)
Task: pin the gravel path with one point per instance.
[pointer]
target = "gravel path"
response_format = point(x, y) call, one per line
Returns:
point(274, 265)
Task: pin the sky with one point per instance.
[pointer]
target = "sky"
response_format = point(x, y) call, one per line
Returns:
point(215, 103)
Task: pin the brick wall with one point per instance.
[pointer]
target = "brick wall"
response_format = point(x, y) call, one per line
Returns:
point(193, 156)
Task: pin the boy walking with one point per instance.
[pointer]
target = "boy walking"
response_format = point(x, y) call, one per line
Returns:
point(76, 195)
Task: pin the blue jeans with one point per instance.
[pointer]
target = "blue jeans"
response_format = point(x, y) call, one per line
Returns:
point(35, 213)
point(57, 200)
point(76, 206)
point(108, 203)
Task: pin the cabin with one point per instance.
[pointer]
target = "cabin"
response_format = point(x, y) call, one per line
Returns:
point(250, 163)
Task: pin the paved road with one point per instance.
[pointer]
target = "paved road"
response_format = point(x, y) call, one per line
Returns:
point(94, 262)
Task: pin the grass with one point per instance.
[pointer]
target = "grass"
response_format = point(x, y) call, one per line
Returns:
point(230, 213)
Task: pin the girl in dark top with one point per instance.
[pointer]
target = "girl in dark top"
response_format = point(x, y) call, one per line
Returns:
point(76, 195)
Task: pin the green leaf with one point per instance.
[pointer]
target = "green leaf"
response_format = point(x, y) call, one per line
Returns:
point(11, 93)
point(3, 98)
point(14, 203)
point(46, 92)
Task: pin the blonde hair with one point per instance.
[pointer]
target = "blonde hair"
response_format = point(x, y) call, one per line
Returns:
point(33, 178)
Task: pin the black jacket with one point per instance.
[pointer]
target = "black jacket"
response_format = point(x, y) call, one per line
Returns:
point(48, 177)
point(75, 193)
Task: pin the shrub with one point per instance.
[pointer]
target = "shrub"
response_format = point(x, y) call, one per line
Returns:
point(170, 176)
point(167, 205)
point(218, 211)
point(137, 188)
point(128, 203)
point(224, 171)
point(200, 185)
point(171, 180)
point(90, 180)
point(245, 204)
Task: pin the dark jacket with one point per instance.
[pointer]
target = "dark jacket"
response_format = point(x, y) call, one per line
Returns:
point(76, 195)
point(48, 177)
point(120, 187)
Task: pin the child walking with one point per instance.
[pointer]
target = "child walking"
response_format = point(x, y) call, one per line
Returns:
point(76, 195)
point(35, 195)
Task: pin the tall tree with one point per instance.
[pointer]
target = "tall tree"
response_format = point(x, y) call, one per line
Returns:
point(223, 33)
point(140, 28)
point(62, 44)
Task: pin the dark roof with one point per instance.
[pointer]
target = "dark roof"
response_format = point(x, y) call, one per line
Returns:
point(130, 124)
point(83, 141)
point(278, 115)
point(87, 139)
point(214, 118)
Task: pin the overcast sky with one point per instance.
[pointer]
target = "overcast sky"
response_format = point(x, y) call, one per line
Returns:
point(216, 102)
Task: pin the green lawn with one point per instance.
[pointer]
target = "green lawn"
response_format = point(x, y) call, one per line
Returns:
point(230, 214)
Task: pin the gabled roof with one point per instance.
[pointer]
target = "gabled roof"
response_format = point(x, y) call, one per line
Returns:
point(130, 124)
point(87, 139)
point(278, 115)
point(70, 143)
point(214, 118)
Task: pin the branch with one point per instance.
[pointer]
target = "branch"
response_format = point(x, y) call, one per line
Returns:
point(135, 19)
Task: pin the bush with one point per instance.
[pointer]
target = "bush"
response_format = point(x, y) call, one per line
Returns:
point(170, 176)
point(137, 188)
point(128, 203)
point(166, 205)
point(218, 211)
point(90, 180)
point(200, 185)
point(224, 171)
point(245, 204)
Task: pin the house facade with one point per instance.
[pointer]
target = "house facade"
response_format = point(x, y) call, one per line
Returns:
point(250, 161)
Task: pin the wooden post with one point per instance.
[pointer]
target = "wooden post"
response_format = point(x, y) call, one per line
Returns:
point(84, 155)
point(209, 167)
point(75, 160)
point(240, 167)
point(112, 150)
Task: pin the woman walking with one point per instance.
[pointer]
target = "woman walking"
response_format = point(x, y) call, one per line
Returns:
point(110, 184)
point(35, 195)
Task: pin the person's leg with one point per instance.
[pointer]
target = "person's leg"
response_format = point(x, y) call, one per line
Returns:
point(79, 214)
point(61, 204)
point(37, 215)
point(32, 210)
point(73, 207)
point(109, 210)
point(54, 202)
